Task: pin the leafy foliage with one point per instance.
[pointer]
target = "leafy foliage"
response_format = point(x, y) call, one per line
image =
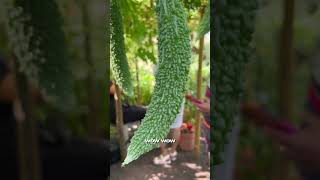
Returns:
point(192, 4)
point(261, 79)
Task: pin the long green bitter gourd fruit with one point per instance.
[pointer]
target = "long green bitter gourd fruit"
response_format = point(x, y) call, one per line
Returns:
point(119, 62)
point(204, 26)
point(36, 36)
point(233, 26)
point(171, 78)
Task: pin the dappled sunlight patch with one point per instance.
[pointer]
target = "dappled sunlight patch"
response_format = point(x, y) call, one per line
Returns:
point(192, 166)
point(156, 176)
point(199, 174)
point(202, 175)
point(168, 166)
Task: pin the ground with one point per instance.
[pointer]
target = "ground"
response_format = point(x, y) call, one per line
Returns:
point(184, 168)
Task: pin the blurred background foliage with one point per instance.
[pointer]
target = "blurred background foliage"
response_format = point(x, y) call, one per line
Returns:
point(75, 28)
point(80, 20)
point(255, 153)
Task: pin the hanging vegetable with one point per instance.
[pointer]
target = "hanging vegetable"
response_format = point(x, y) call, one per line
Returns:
point(38, 42)
point(233, 22)
point(119, 63)
point(171, 78)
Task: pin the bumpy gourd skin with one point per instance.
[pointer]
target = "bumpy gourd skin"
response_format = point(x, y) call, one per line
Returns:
point(204, 26)
point(119, 63)
point(171, 78)
point(46, 60)
point(233, 25)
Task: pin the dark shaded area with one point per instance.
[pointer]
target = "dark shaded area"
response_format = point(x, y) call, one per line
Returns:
point(63, 157)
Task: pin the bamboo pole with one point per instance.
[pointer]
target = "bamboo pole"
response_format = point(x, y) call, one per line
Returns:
point(199, 91)
point(119, 122)
point(22, 153)
point(286, 69)
point(107, 104)
point(27, 135)
point(93, 121)
point(138, 83)
point(286, 61)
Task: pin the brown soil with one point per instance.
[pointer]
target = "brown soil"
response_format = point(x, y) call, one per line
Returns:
point(184, 168)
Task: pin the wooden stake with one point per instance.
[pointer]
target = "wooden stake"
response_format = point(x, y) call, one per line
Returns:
point(93, 120)
point(199, 91)
point(286, 69)
point(119, 115)
point(138, 83)
point(107, 103)
point(27, 135)
point(286, 61)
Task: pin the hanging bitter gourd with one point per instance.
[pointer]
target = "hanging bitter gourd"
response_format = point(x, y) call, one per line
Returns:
point(233, 25)
point(204, 26)
point(171, 78)
point(119, 63)
point(38, 42)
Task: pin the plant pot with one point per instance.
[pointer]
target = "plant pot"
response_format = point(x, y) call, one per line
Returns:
point(187, 141)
